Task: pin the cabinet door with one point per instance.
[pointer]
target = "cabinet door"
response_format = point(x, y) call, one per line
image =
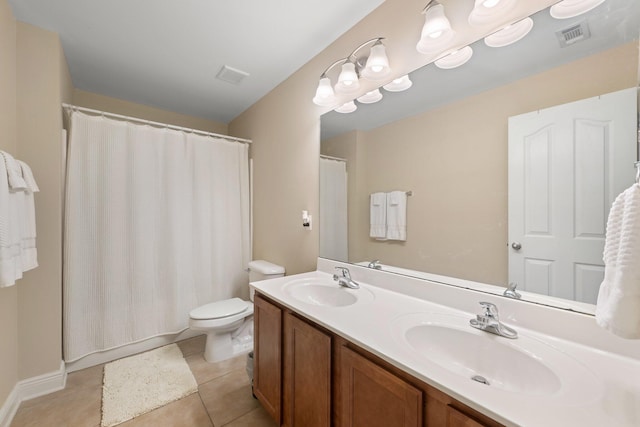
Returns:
point(307, 374)
point(456, 418)
point(267, 356)
point(373, 397)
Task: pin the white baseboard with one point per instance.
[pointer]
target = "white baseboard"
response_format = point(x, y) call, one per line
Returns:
point(128, 350)
point(29, 389)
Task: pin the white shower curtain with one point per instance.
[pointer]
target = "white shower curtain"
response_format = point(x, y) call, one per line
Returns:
point(333, 209)
point(156, 223)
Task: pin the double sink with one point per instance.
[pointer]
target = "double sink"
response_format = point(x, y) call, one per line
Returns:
point(443, 340)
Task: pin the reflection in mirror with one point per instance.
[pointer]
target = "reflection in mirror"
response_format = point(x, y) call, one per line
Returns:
point(446, 139)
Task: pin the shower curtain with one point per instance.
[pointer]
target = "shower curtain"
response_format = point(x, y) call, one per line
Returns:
point(156, 223)
point(333, 209)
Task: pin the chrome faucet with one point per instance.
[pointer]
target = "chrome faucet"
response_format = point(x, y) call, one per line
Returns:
point(375, 264)
point(489, 321)
point(511, 291)
point(345, 279)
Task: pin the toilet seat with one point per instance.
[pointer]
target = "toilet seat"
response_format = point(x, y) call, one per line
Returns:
point(219, 309)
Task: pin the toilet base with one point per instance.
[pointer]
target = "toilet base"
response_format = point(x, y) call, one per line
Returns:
point(222, 346)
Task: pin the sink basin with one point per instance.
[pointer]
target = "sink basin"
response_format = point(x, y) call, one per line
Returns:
point(326, 293)
point(524, 365)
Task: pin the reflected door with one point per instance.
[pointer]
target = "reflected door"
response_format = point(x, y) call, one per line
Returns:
point(567, 164)
point(333, 209)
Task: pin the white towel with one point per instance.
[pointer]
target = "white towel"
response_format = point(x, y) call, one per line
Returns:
point(27, 175)
point(397, 215)
point(378, 216)
point(14, 173)
point(618, 306)
point(29, 253)
point(10, 258)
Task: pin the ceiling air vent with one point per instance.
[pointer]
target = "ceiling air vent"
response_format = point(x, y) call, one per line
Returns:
point(574, 34)
point(231, 75)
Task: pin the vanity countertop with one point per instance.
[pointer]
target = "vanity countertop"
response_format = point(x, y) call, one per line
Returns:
point(593, 387)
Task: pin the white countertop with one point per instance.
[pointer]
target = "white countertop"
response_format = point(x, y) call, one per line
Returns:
point(599, 388)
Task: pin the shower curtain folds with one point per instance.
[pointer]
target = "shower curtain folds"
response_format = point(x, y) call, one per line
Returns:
point(156, 223)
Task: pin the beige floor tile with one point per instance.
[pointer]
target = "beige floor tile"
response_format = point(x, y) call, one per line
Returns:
point(256, 418)
point(193, 345)
point(188, 411)
point(228, 397)
point(76, 407)
point(204, 371)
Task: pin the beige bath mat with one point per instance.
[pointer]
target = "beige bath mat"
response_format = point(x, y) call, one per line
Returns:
point(138, 384)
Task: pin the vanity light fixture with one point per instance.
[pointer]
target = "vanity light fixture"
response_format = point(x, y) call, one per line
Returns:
point(399, 84)
point(374, 66)
point(348, 107)
point(436, 32)
point(455, 58)
point(510, 34)
point(370, 97)
point(570, 8)
point(489, 11)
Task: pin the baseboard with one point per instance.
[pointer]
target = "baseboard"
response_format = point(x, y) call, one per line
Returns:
point(105, 356)
point(9, 408)
point(29, 389)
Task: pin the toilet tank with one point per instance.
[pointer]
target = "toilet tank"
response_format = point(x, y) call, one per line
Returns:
point(262, 270)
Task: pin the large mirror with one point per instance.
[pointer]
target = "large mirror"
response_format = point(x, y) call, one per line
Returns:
point(445, 142)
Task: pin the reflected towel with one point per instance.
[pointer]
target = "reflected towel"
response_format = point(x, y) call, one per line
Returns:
point(14, 173)
point(378, 216)
point(618, 306)
point(397, 215)
point(10, 229)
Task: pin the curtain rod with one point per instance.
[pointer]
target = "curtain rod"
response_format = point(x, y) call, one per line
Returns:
point(322, 156)
point(152, 123)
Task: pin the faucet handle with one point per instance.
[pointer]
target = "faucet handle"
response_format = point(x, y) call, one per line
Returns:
point(345, 272)
point(490, 309)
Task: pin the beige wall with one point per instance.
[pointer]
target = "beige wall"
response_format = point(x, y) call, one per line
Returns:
point(126, 108)
point(454, 159)
point(8, 296)
point(41, 73)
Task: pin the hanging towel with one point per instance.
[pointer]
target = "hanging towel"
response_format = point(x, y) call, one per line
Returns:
point(27, 175)
point(14, 173)
point(10, 258)
point(397, 215)
point(29, 253)
point(618, 306)
point(378, 216)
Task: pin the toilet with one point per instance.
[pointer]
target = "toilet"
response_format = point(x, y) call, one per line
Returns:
point(229, 323)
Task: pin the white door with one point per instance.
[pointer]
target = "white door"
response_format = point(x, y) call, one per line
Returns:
point(566, 166)
point(333, 209)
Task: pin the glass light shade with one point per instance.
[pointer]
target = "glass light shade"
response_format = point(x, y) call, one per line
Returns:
point(435, 22)
point(489, 11)
point(437, 32)
point(348, 79)
point(455, 59)
point(377, 66)
point(510, 34)
point(399, 84)
point(570, 8)
point(325, 97)
point(371, 97)
point(349, 107)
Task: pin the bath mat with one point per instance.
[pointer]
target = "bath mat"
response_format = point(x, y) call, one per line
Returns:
point(138, 384)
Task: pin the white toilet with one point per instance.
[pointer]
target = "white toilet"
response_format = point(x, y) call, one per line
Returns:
point(228, 323)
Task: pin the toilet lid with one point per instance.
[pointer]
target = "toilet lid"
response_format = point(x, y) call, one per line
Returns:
point(218, 309)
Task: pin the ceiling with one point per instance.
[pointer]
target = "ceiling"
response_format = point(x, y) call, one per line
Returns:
point(166, 54)
point(613, 23)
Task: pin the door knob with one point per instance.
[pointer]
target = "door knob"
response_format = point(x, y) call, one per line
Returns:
point(516, 245)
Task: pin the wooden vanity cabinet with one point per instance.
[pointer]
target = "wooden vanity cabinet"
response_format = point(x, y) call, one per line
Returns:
point(267, 356)
point(306, 376)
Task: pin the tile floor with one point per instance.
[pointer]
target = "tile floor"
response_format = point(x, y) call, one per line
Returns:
point(223, 399)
